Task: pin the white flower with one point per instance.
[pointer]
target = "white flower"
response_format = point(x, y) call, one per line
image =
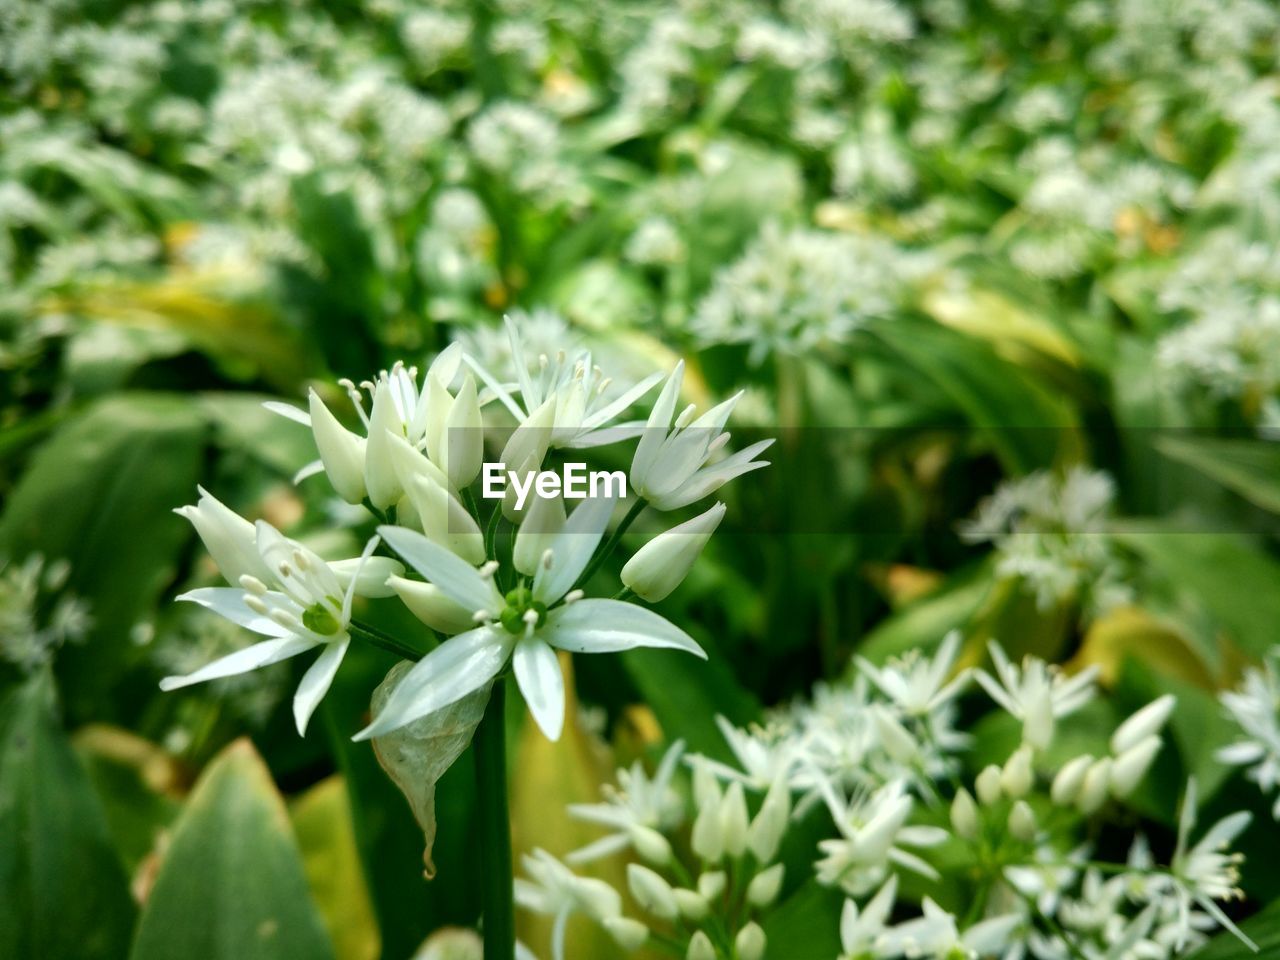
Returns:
point(1255, 707)
point(873, 829)
point(294, 597)
point(862, 929)
point(916, 684)
point(637, 801)
point(661, 565)
point(937, 935)
point(526, 625)
point(556, 891)
point(1037, 694)
point(669, 468)
point(576, 391)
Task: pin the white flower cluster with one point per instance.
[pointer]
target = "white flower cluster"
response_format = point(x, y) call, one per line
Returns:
point(1255, 709)
point(1009, 856)
point(37, 614)
point(1051, 532)
point(412, 464)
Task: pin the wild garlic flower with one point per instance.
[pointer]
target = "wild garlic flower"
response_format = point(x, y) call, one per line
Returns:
point(525, 626)
point(33, 624)
point(936, 935)
point(919, 685)
point(554, 890)
point(1255, 708)
point(638, 806)
point(672, 465)
point(285, 592)
point(1036, 693)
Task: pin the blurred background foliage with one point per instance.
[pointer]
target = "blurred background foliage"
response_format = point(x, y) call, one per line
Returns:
point(944, 245)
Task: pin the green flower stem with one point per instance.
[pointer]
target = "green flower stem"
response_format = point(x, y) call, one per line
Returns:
point(603, 554)
point(378, 638)
point(495, 829)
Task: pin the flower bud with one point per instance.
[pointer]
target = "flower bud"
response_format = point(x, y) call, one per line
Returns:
point(661, 565)
point(1067, 784)
point(988, 785)
point(1131, 766)
point(964, 816)
point(1017, 776)
point(1038, 723)
point(1142, 724)
point(733, 816)
point(524, 452)
point(464, 436)
point(627, 933)
point(712, 884)
point(706, 788)
point(1022, 822)
point(692, 905)
point(380, 477)
point(341, 451)
point(750, 942)
point(444, 519)
point(426, 602)
point(897, 743)
point(765, 887)
point(652, 892)
point(1093, 791)
point(650, 844)
point(707, 837)
point(700, 947)
point(770, 822)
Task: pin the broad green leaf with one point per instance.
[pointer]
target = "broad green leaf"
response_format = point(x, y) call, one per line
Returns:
point(326, 837)
point(99, 494)
point(63, 891)
point(1225, 573)
point(805, 926)
point(232, 883)
point(1028, 427)
point(1250, 468)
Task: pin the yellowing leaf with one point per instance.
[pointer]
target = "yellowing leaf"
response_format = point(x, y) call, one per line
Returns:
point(1132, 632)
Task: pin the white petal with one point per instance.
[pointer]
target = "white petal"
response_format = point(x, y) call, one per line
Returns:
point(242, 661)
point(456, 578)
point(606, 626)
point(289, 412)
point(448, 673)
point(308, 471)
point(604, 415)
point(315, 682)
point(380, 477)
point(659, 422)
point(538, 673)
point(229, 602)
point(372, 581)
point(572, 547)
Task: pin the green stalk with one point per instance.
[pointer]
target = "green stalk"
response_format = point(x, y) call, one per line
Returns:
point(603, 553)
point(385, 641)
point(495, 829)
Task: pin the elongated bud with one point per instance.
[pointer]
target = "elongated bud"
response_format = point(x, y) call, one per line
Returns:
point(1131, 766)
point(439, 404)
point(1066, 785)
point(964, 816)
point(988, 785)
point(1017, 776)
point(525, 451)
point(443, 518)
point(700, 947)
point(733, 814)
point(230, 539)
point(464, 436)
point(661, 565)
point(1144, 723)
point(765, 887)
point(1093, 791)
point(426, 602)
point(770, 823)
point(712, 884)
point(706, 788)
point(693, 905)
point(707, 838)
point(897, 743)
point(650, 844)
point(627, 933)
point(750, 942)
point(380, 477)
point(652, 892)
point(1038, 724)
point(543, 519)
point(1022, 822)
point(341, 451)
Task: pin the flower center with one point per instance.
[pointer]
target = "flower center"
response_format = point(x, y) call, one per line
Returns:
point(519, 602)
point(318, 619)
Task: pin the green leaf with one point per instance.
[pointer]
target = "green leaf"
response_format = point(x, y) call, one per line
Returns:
point(1250, 468)
point(1224, 572)
point(63, 891)
point(99, 494)
point(1263, 930)
point(232, 883)
point(805, 926)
